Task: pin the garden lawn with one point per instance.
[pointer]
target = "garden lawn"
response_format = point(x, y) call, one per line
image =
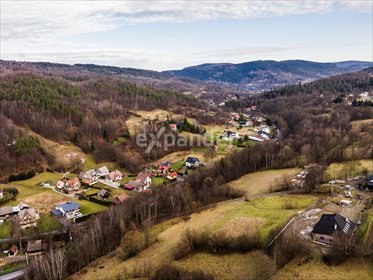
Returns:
point(89, 207)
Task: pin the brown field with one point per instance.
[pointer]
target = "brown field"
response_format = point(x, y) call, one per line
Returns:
point(226, 266)
point(361, 124)
point(136, 122)
point(223, 217)
point(45, 201)
point(352, 269)
point(263, 181)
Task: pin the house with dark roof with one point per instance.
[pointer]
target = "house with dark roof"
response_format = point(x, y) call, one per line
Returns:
point(331, 227)
point(192, 162)
point(103, 194)
point(34, 247)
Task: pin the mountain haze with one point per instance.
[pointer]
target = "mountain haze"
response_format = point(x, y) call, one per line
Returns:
point(266, 74)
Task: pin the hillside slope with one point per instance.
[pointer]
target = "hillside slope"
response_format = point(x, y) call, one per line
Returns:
point(266, 74)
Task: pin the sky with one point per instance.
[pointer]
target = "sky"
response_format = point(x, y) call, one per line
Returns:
point(165, 35)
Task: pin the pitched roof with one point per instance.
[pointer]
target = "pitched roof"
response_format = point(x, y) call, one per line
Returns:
point(134, 184)
point(192, 160)
point(103, 193)
point(121, 198)
point(103, 170)
point(142, 177)
point(330, 223)
point(27, 212)
point(69, 206)
point(6, 210)
point(34, 246)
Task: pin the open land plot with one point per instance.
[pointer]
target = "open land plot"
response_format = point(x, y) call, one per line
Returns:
point(266, 213)
point(136, 121)
point(316, 269)
point(225, 266)
point(263, 181)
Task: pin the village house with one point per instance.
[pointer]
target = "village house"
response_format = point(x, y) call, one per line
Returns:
point(73, 184)
point(103, 194)
point(89, 177)
point(102, 172)
point(120, 199)
point(69, 210)
point(172, 176)
point(332, 228)
point(164, 166)
point(114, 176)
point(173, 126)
point(13, 251)
point(34, 247)
point(144, 179)
point(230, 135)
point(28, 218)
point(9, 210)
point(192, 162)
point(133, 185)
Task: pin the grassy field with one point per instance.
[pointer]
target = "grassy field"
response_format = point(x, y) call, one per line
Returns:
point(226, 266)
point(5, 229)
point(343, 170)
point(40, 178)
point(235, 217)
point(48, 223)
point(88, 207)
point(263, 181)
point(352, 269)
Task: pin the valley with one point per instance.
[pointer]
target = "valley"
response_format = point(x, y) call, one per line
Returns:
point(134, 181)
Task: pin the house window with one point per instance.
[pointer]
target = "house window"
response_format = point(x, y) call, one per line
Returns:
point(321, 237)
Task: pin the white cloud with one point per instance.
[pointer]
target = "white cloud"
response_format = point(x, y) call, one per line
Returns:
point(42, 30)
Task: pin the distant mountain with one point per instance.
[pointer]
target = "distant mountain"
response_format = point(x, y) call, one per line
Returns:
point(267, 74)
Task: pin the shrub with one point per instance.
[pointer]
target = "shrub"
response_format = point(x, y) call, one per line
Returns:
point(132, 244)
point(169, 272)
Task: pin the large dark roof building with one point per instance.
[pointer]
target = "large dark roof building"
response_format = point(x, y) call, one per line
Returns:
point(332, 225)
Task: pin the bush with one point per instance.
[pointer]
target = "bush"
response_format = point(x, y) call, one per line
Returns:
point(169, 272)
point(215, 243)
point(133, 243)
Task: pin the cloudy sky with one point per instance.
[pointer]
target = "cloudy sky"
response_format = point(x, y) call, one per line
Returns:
point(162, 35)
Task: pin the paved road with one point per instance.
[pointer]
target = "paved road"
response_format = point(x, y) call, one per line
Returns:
point(13, 275)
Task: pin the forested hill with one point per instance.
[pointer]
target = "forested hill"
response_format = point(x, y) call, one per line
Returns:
point(86, 113)
point(267, 74)
point(341, 84)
